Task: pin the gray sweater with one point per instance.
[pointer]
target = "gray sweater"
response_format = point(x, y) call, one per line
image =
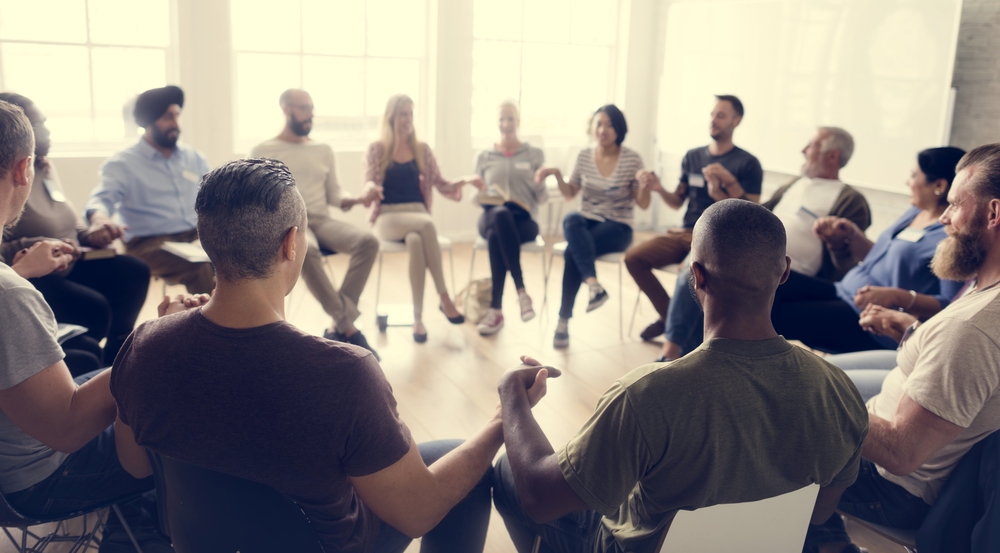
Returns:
point(515, 175)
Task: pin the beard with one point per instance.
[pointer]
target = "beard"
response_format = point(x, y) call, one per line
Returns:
point(17, 219)
point(299, 127)
point(960, 256)
point(165, 139)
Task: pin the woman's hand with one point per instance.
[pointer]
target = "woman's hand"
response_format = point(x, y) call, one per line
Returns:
point(544, 173)
point(374, 193)
point(892, 298)
point(886, 322)
point(475, 180)
point(648, 180)
point(836, 231)
point(181, 302)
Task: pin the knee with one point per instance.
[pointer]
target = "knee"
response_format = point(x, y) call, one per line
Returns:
point(572, 220)
point(634, 261)
point(369, 245)
point(414, 241)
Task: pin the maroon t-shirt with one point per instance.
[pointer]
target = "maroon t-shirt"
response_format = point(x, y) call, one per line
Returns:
point(270, 404)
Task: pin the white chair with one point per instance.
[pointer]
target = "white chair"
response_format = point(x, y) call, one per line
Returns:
point(535, 246)
point(616, 258)
point(774, 524)
point(907, 539)
point(673, 269)
point(400, 317)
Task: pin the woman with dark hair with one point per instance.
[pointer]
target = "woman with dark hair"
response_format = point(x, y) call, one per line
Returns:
point(103, 295)
point(893, 272)
point(606, 175)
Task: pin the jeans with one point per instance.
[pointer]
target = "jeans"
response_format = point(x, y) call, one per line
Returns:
point(573, 533)
point(462, 529)
point(870, 498)
point(90, 478)
point(685, 320)
point(588, 239)
point(505, 228)
point(867, 369)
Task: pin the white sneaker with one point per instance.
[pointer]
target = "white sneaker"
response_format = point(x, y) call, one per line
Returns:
point(527, 313)
point(491, 323)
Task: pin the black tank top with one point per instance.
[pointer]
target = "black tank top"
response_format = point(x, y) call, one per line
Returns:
point(402, 183)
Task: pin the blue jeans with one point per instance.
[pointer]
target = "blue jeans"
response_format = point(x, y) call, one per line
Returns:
point(870, 498)
point(685, 320)
point(462, 529)
point(587, 240)
point(573, 533)
point(867, 369)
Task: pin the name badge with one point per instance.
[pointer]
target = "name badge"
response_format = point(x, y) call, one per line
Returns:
point(522, 165)
point(54, 190)
point(191, 176)
point(911, 234)
point(807, 215)
point(696, 180)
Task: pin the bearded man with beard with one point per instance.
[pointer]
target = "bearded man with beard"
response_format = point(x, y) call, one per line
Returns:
point(314, 169)
point(152, 187)
point(943, 396)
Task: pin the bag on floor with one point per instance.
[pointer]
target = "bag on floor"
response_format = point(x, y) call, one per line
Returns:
point(475, 299)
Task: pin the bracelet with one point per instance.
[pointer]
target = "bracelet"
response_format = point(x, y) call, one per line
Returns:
point(913, 300)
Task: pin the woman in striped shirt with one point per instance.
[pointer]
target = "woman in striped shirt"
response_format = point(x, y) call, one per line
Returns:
point(606, 175)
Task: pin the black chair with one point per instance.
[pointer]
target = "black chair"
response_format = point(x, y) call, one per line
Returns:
point(204, 511)
point(84, 540)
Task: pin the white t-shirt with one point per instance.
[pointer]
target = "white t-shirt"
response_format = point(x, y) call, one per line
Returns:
point(951, 367)
point(312, 165)
point(805, 201)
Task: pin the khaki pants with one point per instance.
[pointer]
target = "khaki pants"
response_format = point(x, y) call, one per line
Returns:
point(412, 224)
point(199, 278)
point(340, 237)
point(654, 253)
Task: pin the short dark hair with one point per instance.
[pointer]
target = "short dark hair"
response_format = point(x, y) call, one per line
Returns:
point(245, 209)
point(940, 163)
point(17, 140)
point(742, 244)
point(986, 181)
point(733, 101)
point(617, 120)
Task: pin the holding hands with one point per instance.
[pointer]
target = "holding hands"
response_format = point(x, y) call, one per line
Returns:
point(884, 296)
point(181, 302)
point(529, 378)
point(43, 258)
point(836, 231)
point(476, 181)
point(544, 173)
point(648, 180)
point(721, 183)
point(372, 194)
point(886, 322)
point(102, 234)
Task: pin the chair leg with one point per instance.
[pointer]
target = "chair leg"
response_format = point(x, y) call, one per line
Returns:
point(621, 306)
point(635, 309)
point(538, 544)
point(472, 266)
point(545, 286)
point(451, 261)
point(378, 282)
point(128, 530)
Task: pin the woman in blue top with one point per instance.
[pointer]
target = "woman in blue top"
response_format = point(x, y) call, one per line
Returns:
point(894, 272)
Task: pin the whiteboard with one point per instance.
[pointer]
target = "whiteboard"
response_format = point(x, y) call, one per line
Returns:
point(881, 69)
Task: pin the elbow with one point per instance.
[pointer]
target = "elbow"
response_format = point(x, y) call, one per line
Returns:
point(537, 508)
point(65, 444)
point(138, 472)
point(900, 465)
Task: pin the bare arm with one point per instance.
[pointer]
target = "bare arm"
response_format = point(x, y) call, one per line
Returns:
point(903, 444)
point(920, 306)
point(51, 408)
point(826, 504)
point(132, 456)
point(568, 190)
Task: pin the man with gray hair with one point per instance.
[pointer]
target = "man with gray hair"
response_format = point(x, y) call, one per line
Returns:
point(745, 417)
point(313, 166)
point(57, 451)
point(817, 193)
point(234, 388)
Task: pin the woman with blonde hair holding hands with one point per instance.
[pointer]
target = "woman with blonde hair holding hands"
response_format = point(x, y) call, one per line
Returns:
point(403, 171)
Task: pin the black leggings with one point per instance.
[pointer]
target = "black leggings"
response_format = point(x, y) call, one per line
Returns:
point(104, 295)
point(808, 309)
point(505, 228)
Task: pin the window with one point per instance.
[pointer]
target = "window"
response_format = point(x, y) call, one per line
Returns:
point(554, 57)
point(83, 62)
point(350, 55)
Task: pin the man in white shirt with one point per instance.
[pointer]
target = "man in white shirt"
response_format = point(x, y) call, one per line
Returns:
point(944, 395)
point(312, 165)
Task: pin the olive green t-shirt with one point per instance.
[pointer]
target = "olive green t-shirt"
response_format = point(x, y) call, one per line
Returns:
point(733, 421)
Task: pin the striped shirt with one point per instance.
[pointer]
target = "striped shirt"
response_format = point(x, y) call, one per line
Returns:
point(612, 197)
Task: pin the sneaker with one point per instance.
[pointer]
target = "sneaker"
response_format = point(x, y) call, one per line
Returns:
point(561, 339)
point(527, 312)
point(334, 335)
point(358, 339)
point(491, 323)
point(663, 359)
point(597, 297)
point(655, 330)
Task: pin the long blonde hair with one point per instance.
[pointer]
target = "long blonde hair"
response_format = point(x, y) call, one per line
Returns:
point(389, 136)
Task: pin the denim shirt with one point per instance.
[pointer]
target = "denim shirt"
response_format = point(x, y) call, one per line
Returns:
point(154, 195)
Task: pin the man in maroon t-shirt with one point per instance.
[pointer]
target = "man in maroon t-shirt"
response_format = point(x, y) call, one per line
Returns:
point(232, 387)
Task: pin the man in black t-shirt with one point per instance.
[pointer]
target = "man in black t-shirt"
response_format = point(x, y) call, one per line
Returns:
point(710, 173)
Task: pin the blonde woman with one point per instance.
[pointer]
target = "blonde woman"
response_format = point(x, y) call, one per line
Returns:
point(403, 171)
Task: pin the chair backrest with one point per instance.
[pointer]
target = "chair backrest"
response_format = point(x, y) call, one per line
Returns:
point(773, 524)
point(207, 511)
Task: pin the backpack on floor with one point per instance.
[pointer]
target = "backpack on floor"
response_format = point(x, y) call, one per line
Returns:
point(475, 299)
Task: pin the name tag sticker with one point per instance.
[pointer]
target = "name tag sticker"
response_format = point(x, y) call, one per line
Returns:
point(54, 190)
point(911, 234)
point(522, 165)
point(191, 176)
point(806, 215)
point(696, 180)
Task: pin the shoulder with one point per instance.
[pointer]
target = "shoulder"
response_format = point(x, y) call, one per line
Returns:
point(376, 148)
point(746, 157)
point(428, 152)
point(192, 153)
point(696, 152)
point(265, 148)
point(10, 281)
point(630, 155)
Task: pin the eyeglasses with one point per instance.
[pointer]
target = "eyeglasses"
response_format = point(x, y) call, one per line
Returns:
point(304, 107)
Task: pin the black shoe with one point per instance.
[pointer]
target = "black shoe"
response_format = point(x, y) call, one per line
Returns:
point(655, 330)
point(336, 336)
point(419, 338)
point(453, 320)
point(597, 299)
point(358, 339)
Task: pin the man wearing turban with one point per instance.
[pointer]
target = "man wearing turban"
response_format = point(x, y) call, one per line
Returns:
point(152, 187)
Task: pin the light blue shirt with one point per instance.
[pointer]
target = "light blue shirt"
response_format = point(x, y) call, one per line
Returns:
point(154, 195)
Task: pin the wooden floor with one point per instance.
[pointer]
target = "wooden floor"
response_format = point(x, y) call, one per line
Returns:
point(446, 387)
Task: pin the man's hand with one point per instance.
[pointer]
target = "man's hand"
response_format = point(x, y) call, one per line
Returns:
point(717, 171)
point(181, 302)
point(886, 322)
point(893, 298)
point(374, 192)
point(648, 180)
point(836, 231)
point(43, 258)
point(102, 234)
point(721, 183)
point(530, 375)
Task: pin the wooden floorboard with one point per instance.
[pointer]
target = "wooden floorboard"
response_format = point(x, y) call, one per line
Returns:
point(446, 388)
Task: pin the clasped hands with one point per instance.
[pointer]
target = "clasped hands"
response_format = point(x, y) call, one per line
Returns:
point(528, 378)
point(43, 258)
